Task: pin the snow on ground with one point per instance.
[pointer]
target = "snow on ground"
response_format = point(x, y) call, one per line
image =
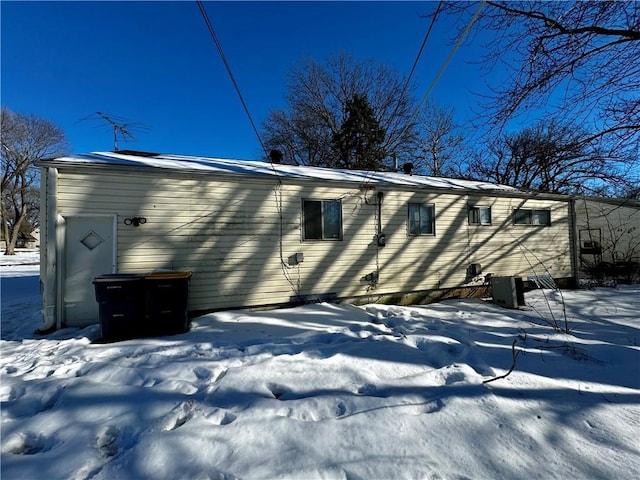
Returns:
point(329, 391)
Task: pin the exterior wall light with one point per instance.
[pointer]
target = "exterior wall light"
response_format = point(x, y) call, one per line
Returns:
point(135, 221)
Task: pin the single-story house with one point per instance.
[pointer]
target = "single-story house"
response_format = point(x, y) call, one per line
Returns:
point(259, 234)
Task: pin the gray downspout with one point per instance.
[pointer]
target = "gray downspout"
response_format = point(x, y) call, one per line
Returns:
point(573, 237)
point(49, 294)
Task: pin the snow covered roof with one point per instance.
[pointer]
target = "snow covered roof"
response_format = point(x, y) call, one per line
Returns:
point(259, 168)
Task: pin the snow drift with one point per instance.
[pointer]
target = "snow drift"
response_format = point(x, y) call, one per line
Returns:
point(329, 391)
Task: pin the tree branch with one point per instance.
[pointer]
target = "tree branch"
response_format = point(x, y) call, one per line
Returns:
point(553, 23)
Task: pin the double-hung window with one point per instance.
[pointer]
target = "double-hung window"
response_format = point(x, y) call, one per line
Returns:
point(322, 219)
point(530, 216)
point(422, 219)
point(479, 215)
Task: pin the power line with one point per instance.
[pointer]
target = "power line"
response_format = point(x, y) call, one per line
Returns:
point(463, 35)
point(278, 188)
point(415, 64)
point(226, 64)
point(424, 42)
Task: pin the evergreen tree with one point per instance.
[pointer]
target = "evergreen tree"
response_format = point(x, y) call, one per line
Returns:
point(358, 144)
point(317, 96)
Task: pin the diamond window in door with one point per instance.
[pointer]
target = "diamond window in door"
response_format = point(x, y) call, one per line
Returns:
point(91, 240)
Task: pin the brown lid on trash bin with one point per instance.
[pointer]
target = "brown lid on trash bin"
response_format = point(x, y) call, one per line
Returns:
point(167, 275)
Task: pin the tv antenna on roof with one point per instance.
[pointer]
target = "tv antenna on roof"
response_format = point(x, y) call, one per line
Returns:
point(118, 128)
point(121, 128)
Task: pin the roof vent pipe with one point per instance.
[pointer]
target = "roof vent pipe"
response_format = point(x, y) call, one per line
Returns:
point(275, 156)
point(408, 168)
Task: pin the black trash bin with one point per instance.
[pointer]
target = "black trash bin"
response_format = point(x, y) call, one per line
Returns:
point(167, 302)
point(121, 300)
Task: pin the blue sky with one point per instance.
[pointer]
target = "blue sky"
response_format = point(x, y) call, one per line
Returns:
point(153, 65)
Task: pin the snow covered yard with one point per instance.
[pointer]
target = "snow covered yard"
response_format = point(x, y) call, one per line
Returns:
point(329, 391)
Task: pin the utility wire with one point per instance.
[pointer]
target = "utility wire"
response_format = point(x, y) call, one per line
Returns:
point(424, 42)
point(278, 188)
point(415, 64)
point(463, 35)
point(226, 64)
point(253, 125)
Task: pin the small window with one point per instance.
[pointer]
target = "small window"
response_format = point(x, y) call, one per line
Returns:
point(479, 215)
point(322, 219)
point(525, 216)
point(421, 219)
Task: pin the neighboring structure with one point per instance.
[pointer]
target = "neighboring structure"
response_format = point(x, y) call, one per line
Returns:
point(25, 240)
point(257, 234)
point(609, 238)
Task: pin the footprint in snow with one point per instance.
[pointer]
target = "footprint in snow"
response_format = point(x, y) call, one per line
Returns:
point(179, 416)
point(221, 417)
point(454, 377)
point(439, 353)
point(432, 406)
point(206, 375)
point(368, 389)
point(9, 393)
point(25, 443)
point(277, 390)
point(49, 399)
point(202, 373)
point(107, 441)
point(316, 411)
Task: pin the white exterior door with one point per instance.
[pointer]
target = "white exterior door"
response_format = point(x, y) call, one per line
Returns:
point(89, 250)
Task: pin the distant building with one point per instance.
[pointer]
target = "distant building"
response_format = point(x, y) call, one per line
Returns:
point(608, 237)
point(25, 240)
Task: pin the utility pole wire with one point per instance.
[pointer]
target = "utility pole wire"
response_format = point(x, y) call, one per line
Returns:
point(226, 64)
point(463, 35)
point(424, 42)
point(415, 64)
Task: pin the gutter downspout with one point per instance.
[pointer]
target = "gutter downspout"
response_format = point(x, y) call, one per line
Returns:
point(381, 237)
point(573, 238)
point(50, 320)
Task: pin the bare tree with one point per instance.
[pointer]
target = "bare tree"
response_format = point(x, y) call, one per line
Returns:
point(317, 99)
point(441, 140)
point(24, 140)
point(547, 157)
point(578, 62)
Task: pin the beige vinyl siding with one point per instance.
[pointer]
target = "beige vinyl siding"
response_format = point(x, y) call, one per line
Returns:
point(501, 248)
point(225, 232)
point(523, 249)
point(236, 235)
point(330, 266)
